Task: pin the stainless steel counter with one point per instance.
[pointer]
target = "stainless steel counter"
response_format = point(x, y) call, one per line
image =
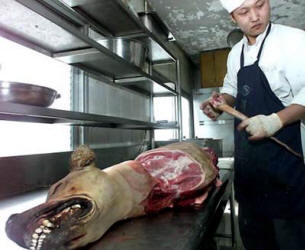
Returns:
point(177, 229)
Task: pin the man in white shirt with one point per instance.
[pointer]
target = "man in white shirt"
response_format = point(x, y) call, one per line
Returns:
point(266, 81)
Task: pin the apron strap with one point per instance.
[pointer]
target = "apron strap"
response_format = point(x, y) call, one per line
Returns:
point(262, 45)
point(242, 60)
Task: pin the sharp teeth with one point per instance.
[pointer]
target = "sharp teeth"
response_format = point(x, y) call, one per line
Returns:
point(47, 223)
point(76, 206)
point(50, 225)
point(38, 230)
point(67, 210)
point(47, 230)
point(35, 236)
point(39, 235)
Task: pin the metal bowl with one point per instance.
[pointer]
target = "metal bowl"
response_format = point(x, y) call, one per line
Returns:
point(131, 50)
point(25, 93)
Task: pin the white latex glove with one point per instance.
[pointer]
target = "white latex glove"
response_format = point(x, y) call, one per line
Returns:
point(261, 126)
point(207, 106)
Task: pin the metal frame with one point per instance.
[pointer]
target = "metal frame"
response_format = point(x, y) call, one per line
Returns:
point(179, 101)
point(142, 26)
point(190, 99)
point(74, 23)
point(77, 25)
point(28, 113)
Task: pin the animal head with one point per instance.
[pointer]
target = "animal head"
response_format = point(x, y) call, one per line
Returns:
point(75, 212)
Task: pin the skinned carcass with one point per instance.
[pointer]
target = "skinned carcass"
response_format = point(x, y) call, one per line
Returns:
point(81, 207)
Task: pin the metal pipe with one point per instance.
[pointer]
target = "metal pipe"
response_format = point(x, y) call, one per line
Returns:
point(152, 113)
point(179, 104)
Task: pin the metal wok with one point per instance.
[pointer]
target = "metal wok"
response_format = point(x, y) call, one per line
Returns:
point(24, 93)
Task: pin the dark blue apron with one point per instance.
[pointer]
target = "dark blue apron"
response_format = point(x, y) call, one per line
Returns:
point(268, 178)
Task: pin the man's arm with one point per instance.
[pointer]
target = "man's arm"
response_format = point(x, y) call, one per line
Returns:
point(262, 126)
point(292, 113)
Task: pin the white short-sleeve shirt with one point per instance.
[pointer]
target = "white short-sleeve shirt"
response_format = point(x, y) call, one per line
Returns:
point(282, 60)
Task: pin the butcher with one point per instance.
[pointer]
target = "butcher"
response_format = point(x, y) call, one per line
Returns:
point(265, 80)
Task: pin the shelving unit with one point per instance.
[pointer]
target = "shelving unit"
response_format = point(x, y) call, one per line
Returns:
point(28, 113)
point(121, 21)
point(61, 29)
point(69, 30)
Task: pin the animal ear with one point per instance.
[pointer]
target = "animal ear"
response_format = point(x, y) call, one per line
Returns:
point(81, 158)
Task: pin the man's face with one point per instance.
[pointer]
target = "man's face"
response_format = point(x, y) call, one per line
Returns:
point(252, 17)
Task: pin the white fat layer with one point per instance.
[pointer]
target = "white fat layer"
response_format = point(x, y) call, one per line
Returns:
point(173, 169)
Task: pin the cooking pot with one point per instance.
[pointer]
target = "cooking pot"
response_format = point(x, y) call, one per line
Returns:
point(131, 50)
point(25, 93)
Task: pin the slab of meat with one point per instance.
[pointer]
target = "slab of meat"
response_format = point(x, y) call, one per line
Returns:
point(183, 172)
point(81, 207)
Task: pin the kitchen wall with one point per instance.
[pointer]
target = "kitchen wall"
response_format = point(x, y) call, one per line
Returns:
point(93, 95)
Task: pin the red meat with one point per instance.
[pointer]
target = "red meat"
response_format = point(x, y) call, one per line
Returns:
point(184, 173)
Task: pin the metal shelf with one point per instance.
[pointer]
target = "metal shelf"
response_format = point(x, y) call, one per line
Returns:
point(28, 113)
point(56, 26)
point(110, 14)
point(38, 31)
point(156, 84)
point(147, 86)
point(93, 59)
point(122, 21)
point(57, 16)
point(55, 29)
point(61, 31)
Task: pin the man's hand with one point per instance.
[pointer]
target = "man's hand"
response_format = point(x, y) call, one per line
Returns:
point(261, 126)
point(209, 106)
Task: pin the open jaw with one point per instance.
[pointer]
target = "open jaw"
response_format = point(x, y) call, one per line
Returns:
point(51, 225)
